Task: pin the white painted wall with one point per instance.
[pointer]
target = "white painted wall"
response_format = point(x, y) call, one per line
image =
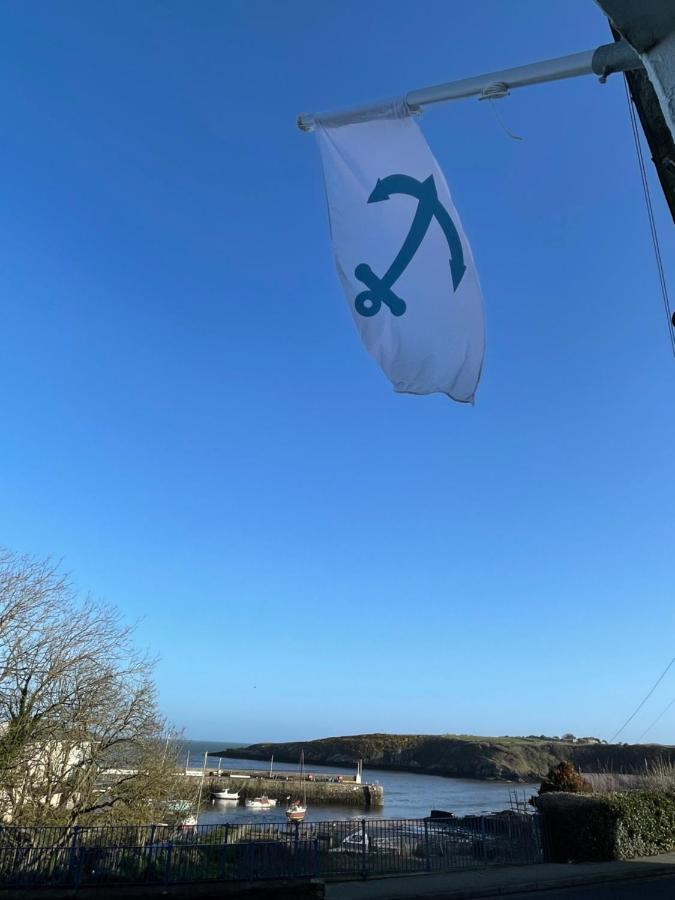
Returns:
point(659, 63)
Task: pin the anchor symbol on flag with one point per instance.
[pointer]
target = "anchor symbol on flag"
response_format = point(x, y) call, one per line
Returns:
point(368, 303)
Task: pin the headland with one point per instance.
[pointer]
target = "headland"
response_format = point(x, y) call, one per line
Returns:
point(463, 756)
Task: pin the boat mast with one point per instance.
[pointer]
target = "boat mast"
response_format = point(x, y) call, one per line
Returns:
point(201, 786)
point(304, 781)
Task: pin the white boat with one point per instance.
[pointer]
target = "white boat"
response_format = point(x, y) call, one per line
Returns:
point(225, 795)
point(263, 802)
point(297, 811)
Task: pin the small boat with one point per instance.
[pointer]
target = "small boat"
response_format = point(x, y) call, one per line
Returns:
point(263, 802)
point(296, 811)
point(225, 795)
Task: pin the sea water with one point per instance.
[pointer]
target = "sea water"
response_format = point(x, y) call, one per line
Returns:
point(406, 795)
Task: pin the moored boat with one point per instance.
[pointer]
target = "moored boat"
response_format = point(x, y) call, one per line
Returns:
point(297, 811)
point(263, 802)
point(225, 795)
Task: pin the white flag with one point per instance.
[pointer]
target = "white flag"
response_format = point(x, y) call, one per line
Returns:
point(403, 259)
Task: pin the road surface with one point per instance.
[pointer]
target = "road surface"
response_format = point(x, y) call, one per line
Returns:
point(634, 889)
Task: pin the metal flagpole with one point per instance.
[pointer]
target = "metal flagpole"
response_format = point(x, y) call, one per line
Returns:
point(603, 61)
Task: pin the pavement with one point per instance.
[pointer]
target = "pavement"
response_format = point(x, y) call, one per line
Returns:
point(645, 874)
point(662, 888)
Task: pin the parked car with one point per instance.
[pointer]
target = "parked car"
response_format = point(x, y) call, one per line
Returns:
point(354, 842)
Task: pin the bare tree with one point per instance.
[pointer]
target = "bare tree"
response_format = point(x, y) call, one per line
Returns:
point(81, 736)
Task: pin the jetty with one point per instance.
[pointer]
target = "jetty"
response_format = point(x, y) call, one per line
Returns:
point(326, 788)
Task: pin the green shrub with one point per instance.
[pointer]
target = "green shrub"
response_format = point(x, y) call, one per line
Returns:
point(565, 777)
point(646, 822)
point(581, 828)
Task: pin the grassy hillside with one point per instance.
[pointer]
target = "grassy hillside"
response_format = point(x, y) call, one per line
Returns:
point(462, 756)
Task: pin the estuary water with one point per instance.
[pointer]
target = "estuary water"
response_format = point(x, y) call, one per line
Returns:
point(406, 795)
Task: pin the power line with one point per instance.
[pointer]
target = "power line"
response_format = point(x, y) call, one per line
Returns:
point(657, 719)
point(670, 319)
point(642, 703)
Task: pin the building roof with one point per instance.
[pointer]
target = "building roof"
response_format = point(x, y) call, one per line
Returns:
point(643, 23)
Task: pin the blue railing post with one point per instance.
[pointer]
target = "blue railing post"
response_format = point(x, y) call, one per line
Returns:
point(73, 867)
point(427, 851)
point(541, 838)
point(151, 850)
point(364, 849)
point(167, 867)
point(223, 853)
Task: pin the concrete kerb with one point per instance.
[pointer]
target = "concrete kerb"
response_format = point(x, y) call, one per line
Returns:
point(502, 881)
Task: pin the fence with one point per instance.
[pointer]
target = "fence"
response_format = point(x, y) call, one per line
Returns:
point(337, 850)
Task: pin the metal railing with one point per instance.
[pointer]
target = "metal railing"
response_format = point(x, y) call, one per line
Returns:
point(354, 848)
point(399, 846)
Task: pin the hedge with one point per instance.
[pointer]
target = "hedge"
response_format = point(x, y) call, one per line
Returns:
point(621, 825)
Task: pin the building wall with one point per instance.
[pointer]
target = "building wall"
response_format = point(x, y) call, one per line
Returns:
point(659, 63)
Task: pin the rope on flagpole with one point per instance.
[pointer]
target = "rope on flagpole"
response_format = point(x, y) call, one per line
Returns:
point(507, 131)
point(670, 317)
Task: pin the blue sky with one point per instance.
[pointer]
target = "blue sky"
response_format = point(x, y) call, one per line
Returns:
point(190, 421)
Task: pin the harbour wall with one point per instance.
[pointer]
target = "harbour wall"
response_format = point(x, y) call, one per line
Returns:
point(363, 796)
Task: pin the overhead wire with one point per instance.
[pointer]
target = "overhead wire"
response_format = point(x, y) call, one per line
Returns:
point(657, 719)
point(642, 702)
point(670, 320)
